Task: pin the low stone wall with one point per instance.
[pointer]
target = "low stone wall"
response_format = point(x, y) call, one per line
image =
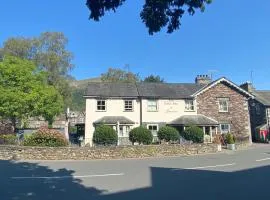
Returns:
point(86, 153)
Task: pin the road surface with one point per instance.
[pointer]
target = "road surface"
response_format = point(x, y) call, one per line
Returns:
point(231, 175)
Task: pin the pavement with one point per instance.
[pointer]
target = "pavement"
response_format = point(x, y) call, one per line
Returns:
point(231, 175)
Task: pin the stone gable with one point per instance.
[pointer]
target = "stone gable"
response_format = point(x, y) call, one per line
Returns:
point(238, 114)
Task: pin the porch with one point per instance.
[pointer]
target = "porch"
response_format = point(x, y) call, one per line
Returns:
point(208, 125)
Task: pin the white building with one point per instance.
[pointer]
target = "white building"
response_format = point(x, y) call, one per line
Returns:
point(153, 105)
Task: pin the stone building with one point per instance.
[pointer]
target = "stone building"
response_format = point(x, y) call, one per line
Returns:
point(218, 106)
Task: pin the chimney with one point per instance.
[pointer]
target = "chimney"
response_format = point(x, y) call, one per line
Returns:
point(248, 87)
point(203, 80)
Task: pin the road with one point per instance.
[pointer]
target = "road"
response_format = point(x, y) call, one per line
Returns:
point(231, 175)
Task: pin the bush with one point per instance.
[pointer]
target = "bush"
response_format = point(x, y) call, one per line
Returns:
point(168, 134)
point(141, 135)
point(46, 137)
point(8, 139)
point(193, 133)
point(230, 138)
point(105, 135)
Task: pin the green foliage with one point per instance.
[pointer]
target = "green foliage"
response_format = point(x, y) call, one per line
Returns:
point(49, 54)
point(153, 79)
point(78, 101)
point(24, 91)
point(105, 135)
point(141, 135)
point(169, 134)
point(46, 137)
point(119, 75)
point(156, 14)
point(193, 133)
point(230, 138)
point(8, 139)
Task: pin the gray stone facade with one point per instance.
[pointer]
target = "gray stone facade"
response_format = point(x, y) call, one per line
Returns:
point(237, 115)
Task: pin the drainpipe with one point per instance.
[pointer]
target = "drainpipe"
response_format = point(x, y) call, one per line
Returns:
point(140, 99)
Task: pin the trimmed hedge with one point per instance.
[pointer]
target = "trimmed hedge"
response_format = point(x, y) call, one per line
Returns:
point(141, 135)
point(105, 135)
point(169, 134)
point(46, 138)
point(8, 139)
point(194, 134)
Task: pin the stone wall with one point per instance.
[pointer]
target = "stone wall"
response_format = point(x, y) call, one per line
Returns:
point(6, 127)
point(86, 153)
point(238, 115)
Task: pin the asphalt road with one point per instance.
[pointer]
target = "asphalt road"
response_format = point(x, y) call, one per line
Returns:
point(231, 175)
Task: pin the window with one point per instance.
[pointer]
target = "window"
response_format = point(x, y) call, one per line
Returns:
point(101, 105)
point(153, 128)
point(189, 105)
point(152, 105)
point(223, 104)
point(224, 128)
point(128, 105)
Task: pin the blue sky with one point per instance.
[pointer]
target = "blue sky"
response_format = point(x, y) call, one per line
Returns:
point(230, 37)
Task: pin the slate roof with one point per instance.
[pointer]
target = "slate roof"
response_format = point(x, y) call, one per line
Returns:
point(111, 90)
point(262, 96)
point(194, 120)
point(167, 90)
point(114, 120)
point(152, 90)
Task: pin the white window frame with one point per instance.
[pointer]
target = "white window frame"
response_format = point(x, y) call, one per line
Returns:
point(189, 105)
point(105, 105)
point(148, 125)
point(152, 105)
point(225, 132)
point(128, 107)
point(221, 107)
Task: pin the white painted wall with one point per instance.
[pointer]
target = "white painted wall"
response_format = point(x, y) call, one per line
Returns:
point(168, 110)
point(115, 107)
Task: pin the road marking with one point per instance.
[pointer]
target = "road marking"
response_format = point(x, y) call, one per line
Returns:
point(65, 177)
point(212, 166)
point(264, 159)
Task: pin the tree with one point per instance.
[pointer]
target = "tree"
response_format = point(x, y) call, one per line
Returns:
point(119, 75)
point(49, 52)
point(156, 14)
point(24, 91)
point(153, 79)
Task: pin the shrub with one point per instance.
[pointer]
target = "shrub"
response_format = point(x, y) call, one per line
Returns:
point(46, 137)
point(230, 138)
point(168, 134)
point(193, 133)
point(141, 135)
point(8, 139)
point(105, 135)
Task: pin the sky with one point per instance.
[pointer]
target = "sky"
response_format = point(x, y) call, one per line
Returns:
point(231, 38)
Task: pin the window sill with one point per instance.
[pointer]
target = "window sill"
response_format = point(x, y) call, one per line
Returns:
point(190, 111)
point(128, 111)
point(223, 111)
point(101, 111)
point(152, 111)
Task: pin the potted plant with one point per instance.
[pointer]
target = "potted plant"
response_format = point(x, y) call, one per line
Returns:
point(217, 141)
point(230, 141)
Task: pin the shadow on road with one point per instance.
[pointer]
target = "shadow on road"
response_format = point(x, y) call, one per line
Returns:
point(166, 184)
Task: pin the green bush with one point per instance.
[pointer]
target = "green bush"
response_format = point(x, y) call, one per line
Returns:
point(193, 133)
point(168, 134)
point(105, 135)
point(8, 139)
point(46, 137)
point(230, 138)
point(141, 135)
